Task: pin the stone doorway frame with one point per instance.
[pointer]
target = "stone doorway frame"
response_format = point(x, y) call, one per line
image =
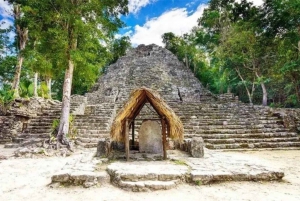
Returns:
point(171, 124)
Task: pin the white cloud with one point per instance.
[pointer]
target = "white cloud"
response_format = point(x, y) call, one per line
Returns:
point(135, 5)
point(177, 21)
point(255, 2)
point(5, 9)
point(5, 23)
point(128, 33)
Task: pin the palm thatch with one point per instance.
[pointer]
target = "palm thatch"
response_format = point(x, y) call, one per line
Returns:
point(131, 109)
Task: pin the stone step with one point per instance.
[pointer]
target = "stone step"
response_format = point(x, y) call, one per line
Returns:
point(39, 130)
point(253, 145)
point(4, 141)
point(87, 140)
point(236, 131)
point(144, 175)
point(145, 186)
point(247, 135)
point(43, 120)
point(90, 145)
point(90, 124)
point(249, 140)
point(93, 130)
point(34, 135)
point(40, 124)
point(91, 120)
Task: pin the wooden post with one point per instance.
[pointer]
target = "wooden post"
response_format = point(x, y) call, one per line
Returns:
point(164, 137)
point(132, 129)
point(127, 139)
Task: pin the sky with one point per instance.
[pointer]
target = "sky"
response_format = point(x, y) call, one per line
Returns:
point(149, 19)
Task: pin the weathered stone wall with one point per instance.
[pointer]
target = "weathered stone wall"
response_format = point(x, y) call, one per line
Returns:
point(18, 117)
point(290, 117)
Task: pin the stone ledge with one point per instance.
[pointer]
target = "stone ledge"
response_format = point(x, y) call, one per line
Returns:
point(144, 186)
point(203, 178)
point(78, 178)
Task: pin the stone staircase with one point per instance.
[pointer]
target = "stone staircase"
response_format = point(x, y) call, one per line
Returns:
point(40, 126)
point(234, 126)
point(231, 125)
point(94, 125)
point(5, 128)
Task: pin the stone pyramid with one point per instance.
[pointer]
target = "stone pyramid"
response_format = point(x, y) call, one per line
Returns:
point(151, 66)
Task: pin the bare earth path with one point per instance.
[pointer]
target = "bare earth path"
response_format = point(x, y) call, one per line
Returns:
point(27, 179)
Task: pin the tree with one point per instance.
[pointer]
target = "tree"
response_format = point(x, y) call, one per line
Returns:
point(119, 47)
point(22, 37)
point(7, 59)
point(242, 51)
point(75, 31)
point(281, 22)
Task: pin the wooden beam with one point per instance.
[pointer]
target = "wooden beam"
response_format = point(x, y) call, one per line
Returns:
point(149, 100)
point(138, 109)
point(164, 137)
point(132, 130)
point(152, 119)
point(127, 139)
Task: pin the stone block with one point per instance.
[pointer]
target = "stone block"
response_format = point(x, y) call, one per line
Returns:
point(61, 177)
point(150, 137)
point(118, 146)
point(103, 148)
point(197, 147)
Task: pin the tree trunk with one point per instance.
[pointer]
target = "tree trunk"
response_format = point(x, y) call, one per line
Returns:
point(195, 69)
point(35, 93)
point(65, 110)
point(22, 33)
point(248, 92)
point(16, 82)
point(48, 81)
point(265, 92)
point(66, 101)
point(186, 61)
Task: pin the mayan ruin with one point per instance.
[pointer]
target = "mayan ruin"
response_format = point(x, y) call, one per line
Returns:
point(149, 100)
point(147, 85)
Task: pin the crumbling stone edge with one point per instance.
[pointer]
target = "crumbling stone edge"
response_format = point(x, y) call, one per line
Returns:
point(88, 179)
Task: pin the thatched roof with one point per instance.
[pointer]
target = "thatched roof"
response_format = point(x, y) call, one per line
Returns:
point(131, 109)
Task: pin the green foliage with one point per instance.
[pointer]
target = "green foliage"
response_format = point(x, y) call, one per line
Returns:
point(43, 90)
point(54, 128)
point(119, 48)
point(180, 162)
point(253, 51)
point(6, 98)
point(25, 88)
point(7, 68)
point(198, 182)
point(72, 130)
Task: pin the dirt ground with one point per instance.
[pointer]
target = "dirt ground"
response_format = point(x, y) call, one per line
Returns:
point(27, 179)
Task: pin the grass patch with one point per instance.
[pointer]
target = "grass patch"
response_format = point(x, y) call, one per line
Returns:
point(180, 162)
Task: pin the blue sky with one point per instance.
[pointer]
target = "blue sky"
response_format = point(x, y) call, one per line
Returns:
point(149, 19)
